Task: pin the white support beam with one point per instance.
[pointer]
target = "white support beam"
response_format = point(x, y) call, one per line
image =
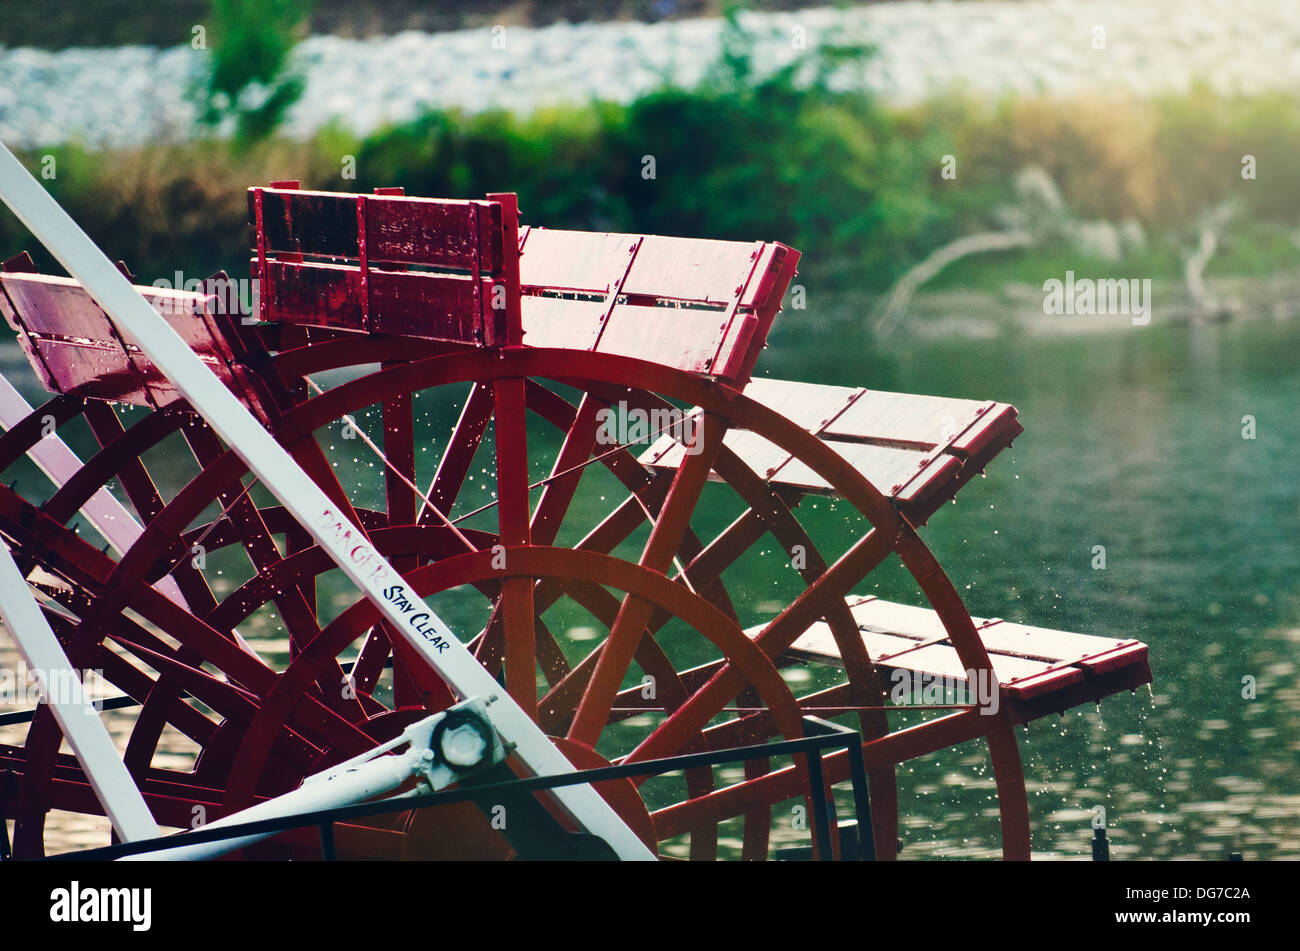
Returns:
point(77, 717)
point(345, 543)
point(357, 780)
point(109, 516)
point(53, 457)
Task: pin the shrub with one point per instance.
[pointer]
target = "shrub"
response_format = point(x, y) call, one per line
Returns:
point(248, 79)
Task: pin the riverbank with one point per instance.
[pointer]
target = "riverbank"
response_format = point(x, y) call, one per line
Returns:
point(130, 95)
point(971, 313)
point(1172, 187)
point(1120, 188)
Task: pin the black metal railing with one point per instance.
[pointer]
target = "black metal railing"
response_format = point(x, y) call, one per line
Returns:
point(821, 735)
point(124, 701)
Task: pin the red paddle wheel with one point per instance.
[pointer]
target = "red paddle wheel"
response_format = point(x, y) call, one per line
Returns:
point(554, 436)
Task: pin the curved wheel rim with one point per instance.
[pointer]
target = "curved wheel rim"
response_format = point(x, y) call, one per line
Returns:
point(299, 422)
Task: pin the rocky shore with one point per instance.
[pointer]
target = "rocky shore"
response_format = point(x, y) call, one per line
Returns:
point(127, 95)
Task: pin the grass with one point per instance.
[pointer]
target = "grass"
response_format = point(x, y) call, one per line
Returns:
point(856, 185)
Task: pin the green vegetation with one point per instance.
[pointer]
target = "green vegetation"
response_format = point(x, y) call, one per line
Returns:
point(856, 185)
point(248, 78)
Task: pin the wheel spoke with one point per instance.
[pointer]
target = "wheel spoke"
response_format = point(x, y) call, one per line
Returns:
point(560, 489)
point(459, 454)
point(399, 477)
point(265, 728)
point(778, 635)
point(665, 539)
point(514, 514)
point(296, 613)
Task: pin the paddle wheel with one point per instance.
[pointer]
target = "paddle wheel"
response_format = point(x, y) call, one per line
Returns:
point(556, 439)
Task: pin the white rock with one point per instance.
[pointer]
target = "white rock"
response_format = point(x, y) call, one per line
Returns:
point(131, 94)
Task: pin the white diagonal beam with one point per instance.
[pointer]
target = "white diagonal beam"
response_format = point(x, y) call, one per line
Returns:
point(344, 542)
point(77, 717)
point(53, 457)
point(109, 516)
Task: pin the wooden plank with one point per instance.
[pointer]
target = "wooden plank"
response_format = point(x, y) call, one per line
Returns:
point(885, 468)
point(1030, 662)
point(905, 419)
point(1006, 637)
point(56, 306)
point(910, 447)
point(734, 348)
point(561, 323)
point(424, 231)
point(811, 405)
point(677, 269)
point(37, 362)
point(904, 620)
point(766, 288)
point(902, 420)
point(683, 339)
point(942, 660)
point(399, 229)
point(901, 474)
point(737, 285)
point(163, 392)
point(75, 349)
point(585, 262)
point(998, 425)
point(419, 303)
point(902, 653)
point(690, 269)
point(1025, 640)
point(91, 369)
point(755, 451)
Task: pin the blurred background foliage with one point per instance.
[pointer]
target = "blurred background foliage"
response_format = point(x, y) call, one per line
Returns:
point(249, 84)
point(791, 156)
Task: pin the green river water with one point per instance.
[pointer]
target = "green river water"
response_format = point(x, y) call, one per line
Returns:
point(1134, 441)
